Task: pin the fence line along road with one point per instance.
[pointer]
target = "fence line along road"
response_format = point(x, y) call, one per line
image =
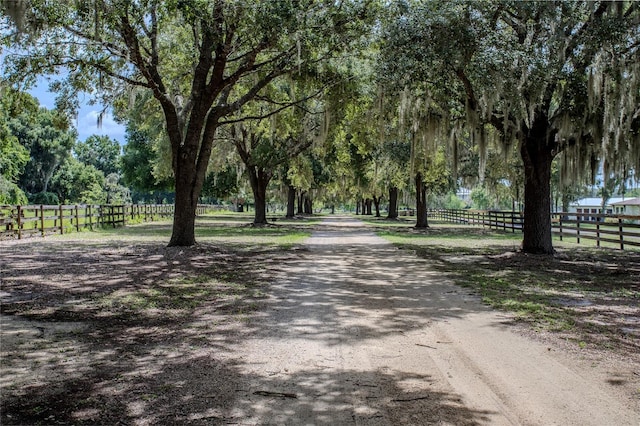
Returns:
point(41, 220)
point(621, 231)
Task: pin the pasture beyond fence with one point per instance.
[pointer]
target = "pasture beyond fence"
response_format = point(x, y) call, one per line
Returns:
point(620, 231)
point(41, 220)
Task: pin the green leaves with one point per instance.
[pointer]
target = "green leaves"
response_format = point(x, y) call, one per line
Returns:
point(102, 152)
point(49, 143)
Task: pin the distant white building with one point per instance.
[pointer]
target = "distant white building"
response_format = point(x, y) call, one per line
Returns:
point(464, 194)
point(593, 205)
point(630, 206)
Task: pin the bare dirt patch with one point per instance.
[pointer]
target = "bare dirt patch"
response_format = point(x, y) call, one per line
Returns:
point(113, 332)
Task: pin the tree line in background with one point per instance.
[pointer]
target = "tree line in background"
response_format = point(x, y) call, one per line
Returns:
point(43, 162)
point(359, 102)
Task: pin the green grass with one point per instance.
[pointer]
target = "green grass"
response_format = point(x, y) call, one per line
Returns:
point(571, 241)
point(528, 298)
point(229, 229)
point(448, 238)
point(401, 222)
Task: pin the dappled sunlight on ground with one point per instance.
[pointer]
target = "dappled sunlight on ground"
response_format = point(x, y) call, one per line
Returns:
point(115, 328)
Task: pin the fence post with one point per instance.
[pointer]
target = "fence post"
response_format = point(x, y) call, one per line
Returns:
point(621, 233)
point(19, 221)
point(598, 232)
point(77, 219)
point(560, 225)
point(578, 228)
point(42, 220)
point(61, 220)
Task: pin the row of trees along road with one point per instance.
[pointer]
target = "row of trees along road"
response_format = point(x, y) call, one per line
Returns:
point(351, 98)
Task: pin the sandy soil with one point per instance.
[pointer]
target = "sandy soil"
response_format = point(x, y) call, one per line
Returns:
point(349, 330)
point(358, 332)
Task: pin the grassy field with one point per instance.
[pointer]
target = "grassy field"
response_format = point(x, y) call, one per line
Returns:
point(591, 295)
point(228, 229)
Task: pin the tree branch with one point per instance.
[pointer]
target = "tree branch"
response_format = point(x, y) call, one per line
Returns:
point(574, 42)
point(120, 77)
point(110, 47)
point(468, 88)
point(271, 113)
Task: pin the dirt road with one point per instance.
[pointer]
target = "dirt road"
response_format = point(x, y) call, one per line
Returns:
point(359, 332)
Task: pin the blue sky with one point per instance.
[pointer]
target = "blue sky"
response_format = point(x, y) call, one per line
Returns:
point(87, 121)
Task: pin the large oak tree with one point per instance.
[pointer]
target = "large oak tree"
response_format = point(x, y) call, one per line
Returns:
point(202, 61)
point(550, 76)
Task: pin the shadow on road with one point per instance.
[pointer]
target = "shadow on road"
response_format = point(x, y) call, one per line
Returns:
point(102, 333)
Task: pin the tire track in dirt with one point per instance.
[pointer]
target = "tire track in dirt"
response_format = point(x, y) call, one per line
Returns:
point(358, 332)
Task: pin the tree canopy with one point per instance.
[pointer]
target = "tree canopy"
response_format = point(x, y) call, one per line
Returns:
point(466, 82)
point(201, 60)
point(548, 76)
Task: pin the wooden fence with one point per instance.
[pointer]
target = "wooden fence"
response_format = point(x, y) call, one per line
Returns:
point(505, 220)
point(619, 231)
point(41, 220)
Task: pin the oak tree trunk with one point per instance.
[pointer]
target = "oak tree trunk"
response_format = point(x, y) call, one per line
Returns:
point(393, 203)
point(259, 179)
point(308, 205)
point(291, 201)
point(537, 149)
point(421, 203)
point(184, 219)
point(376, 204)
point(301, 202)
point(188, 189)
point(367, 204)
point(565, 202)
point(190, 159)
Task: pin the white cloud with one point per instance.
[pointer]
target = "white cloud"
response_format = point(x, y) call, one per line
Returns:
point(87, 120)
